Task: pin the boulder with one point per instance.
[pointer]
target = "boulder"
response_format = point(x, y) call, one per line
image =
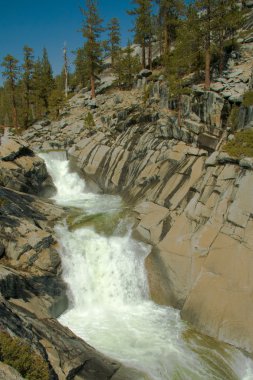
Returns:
point(21, 170)
point(217, 86)
point(144, 73)
point(208, 141)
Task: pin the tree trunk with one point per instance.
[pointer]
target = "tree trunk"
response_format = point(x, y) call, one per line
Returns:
point(207, 68)
point(208, 49)
point(221, 60)
point(150, 53)
point(92, 84)
point(179, 111)
point(144, 55)
point(14, 111)
point(15, 115)
point(26, 121)
point(166, 39)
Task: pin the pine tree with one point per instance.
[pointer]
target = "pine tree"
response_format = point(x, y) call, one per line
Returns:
point(28, 67)
point(226, 26)
point(56, 101)
point(11, 73)
point(216, 19)
point(47, 79)
point(114, 38)
point(188, 43)
point(92, 48)
point(126, 67)
point(81, 72)
point(38, 105)
point(143, 28)
point(170, 14)
point(65, 70)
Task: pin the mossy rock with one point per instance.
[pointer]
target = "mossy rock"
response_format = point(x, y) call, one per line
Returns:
point(248, 99)
point(19, 355)
point(242, 145)
point(103, 223)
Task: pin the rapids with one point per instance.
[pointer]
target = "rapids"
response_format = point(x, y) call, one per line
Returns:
point(110, 307)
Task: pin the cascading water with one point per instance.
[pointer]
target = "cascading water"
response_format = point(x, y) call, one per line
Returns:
point(109, 297)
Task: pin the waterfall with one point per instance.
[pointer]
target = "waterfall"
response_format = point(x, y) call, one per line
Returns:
point(110, 306)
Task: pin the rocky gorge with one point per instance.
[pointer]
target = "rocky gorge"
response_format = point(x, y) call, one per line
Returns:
point(193, 204)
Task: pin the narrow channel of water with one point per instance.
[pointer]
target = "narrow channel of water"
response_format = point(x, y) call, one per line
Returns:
point(110, 306)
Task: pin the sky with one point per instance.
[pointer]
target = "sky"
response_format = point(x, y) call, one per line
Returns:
point(50, 23)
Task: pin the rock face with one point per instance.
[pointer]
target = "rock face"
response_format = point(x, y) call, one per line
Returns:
point(198, 214)
point(21, 170)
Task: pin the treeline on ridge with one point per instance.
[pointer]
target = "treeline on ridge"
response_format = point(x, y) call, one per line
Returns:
point(193, 37)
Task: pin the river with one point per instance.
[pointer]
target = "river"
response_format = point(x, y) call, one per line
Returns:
point(110, 307)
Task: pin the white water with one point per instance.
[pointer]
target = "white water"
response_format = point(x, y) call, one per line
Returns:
point(110, 305)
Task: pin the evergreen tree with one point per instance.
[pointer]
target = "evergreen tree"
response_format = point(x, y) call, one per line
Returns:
point(11, 73)
point(126, 67)
point(38, 106)
point(216, 20)
point(188, 44)
point(92, 48)
point(65, 71)
point(47, 79)
point(114, 38)
point(226, 26)
point(81, 72)
point(28, 67)
point(143, 28)
point(56, 101)
point(170, 14)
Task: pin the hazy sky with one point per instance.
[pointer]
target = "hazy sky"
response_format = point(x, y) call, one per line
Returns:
point(48, 23)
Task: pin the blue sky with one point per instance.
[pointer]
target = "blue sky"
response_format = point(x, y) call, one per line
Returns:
point(48, 23)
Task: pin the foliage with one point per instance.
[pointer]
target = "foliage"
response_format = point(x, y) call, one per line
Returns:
point(81, 72)
point(56, 101)
point(11, 73)
point(126, 67)
point(19, 355)
point(28, 67)
point(242, 145)
point(114, 38)
point(233, 118)
point(170, 15)
point(92, 48)
point(248, 98)
point(89, 122)
point(143, 27)
point(146, 93)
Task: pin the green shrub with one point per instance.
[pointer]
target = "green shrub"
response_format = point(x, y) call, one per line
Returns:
point(19, 355)
point(89, 122)
point(242, 145)
point(248, 99)
point(233, 118)
point(146, 93)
